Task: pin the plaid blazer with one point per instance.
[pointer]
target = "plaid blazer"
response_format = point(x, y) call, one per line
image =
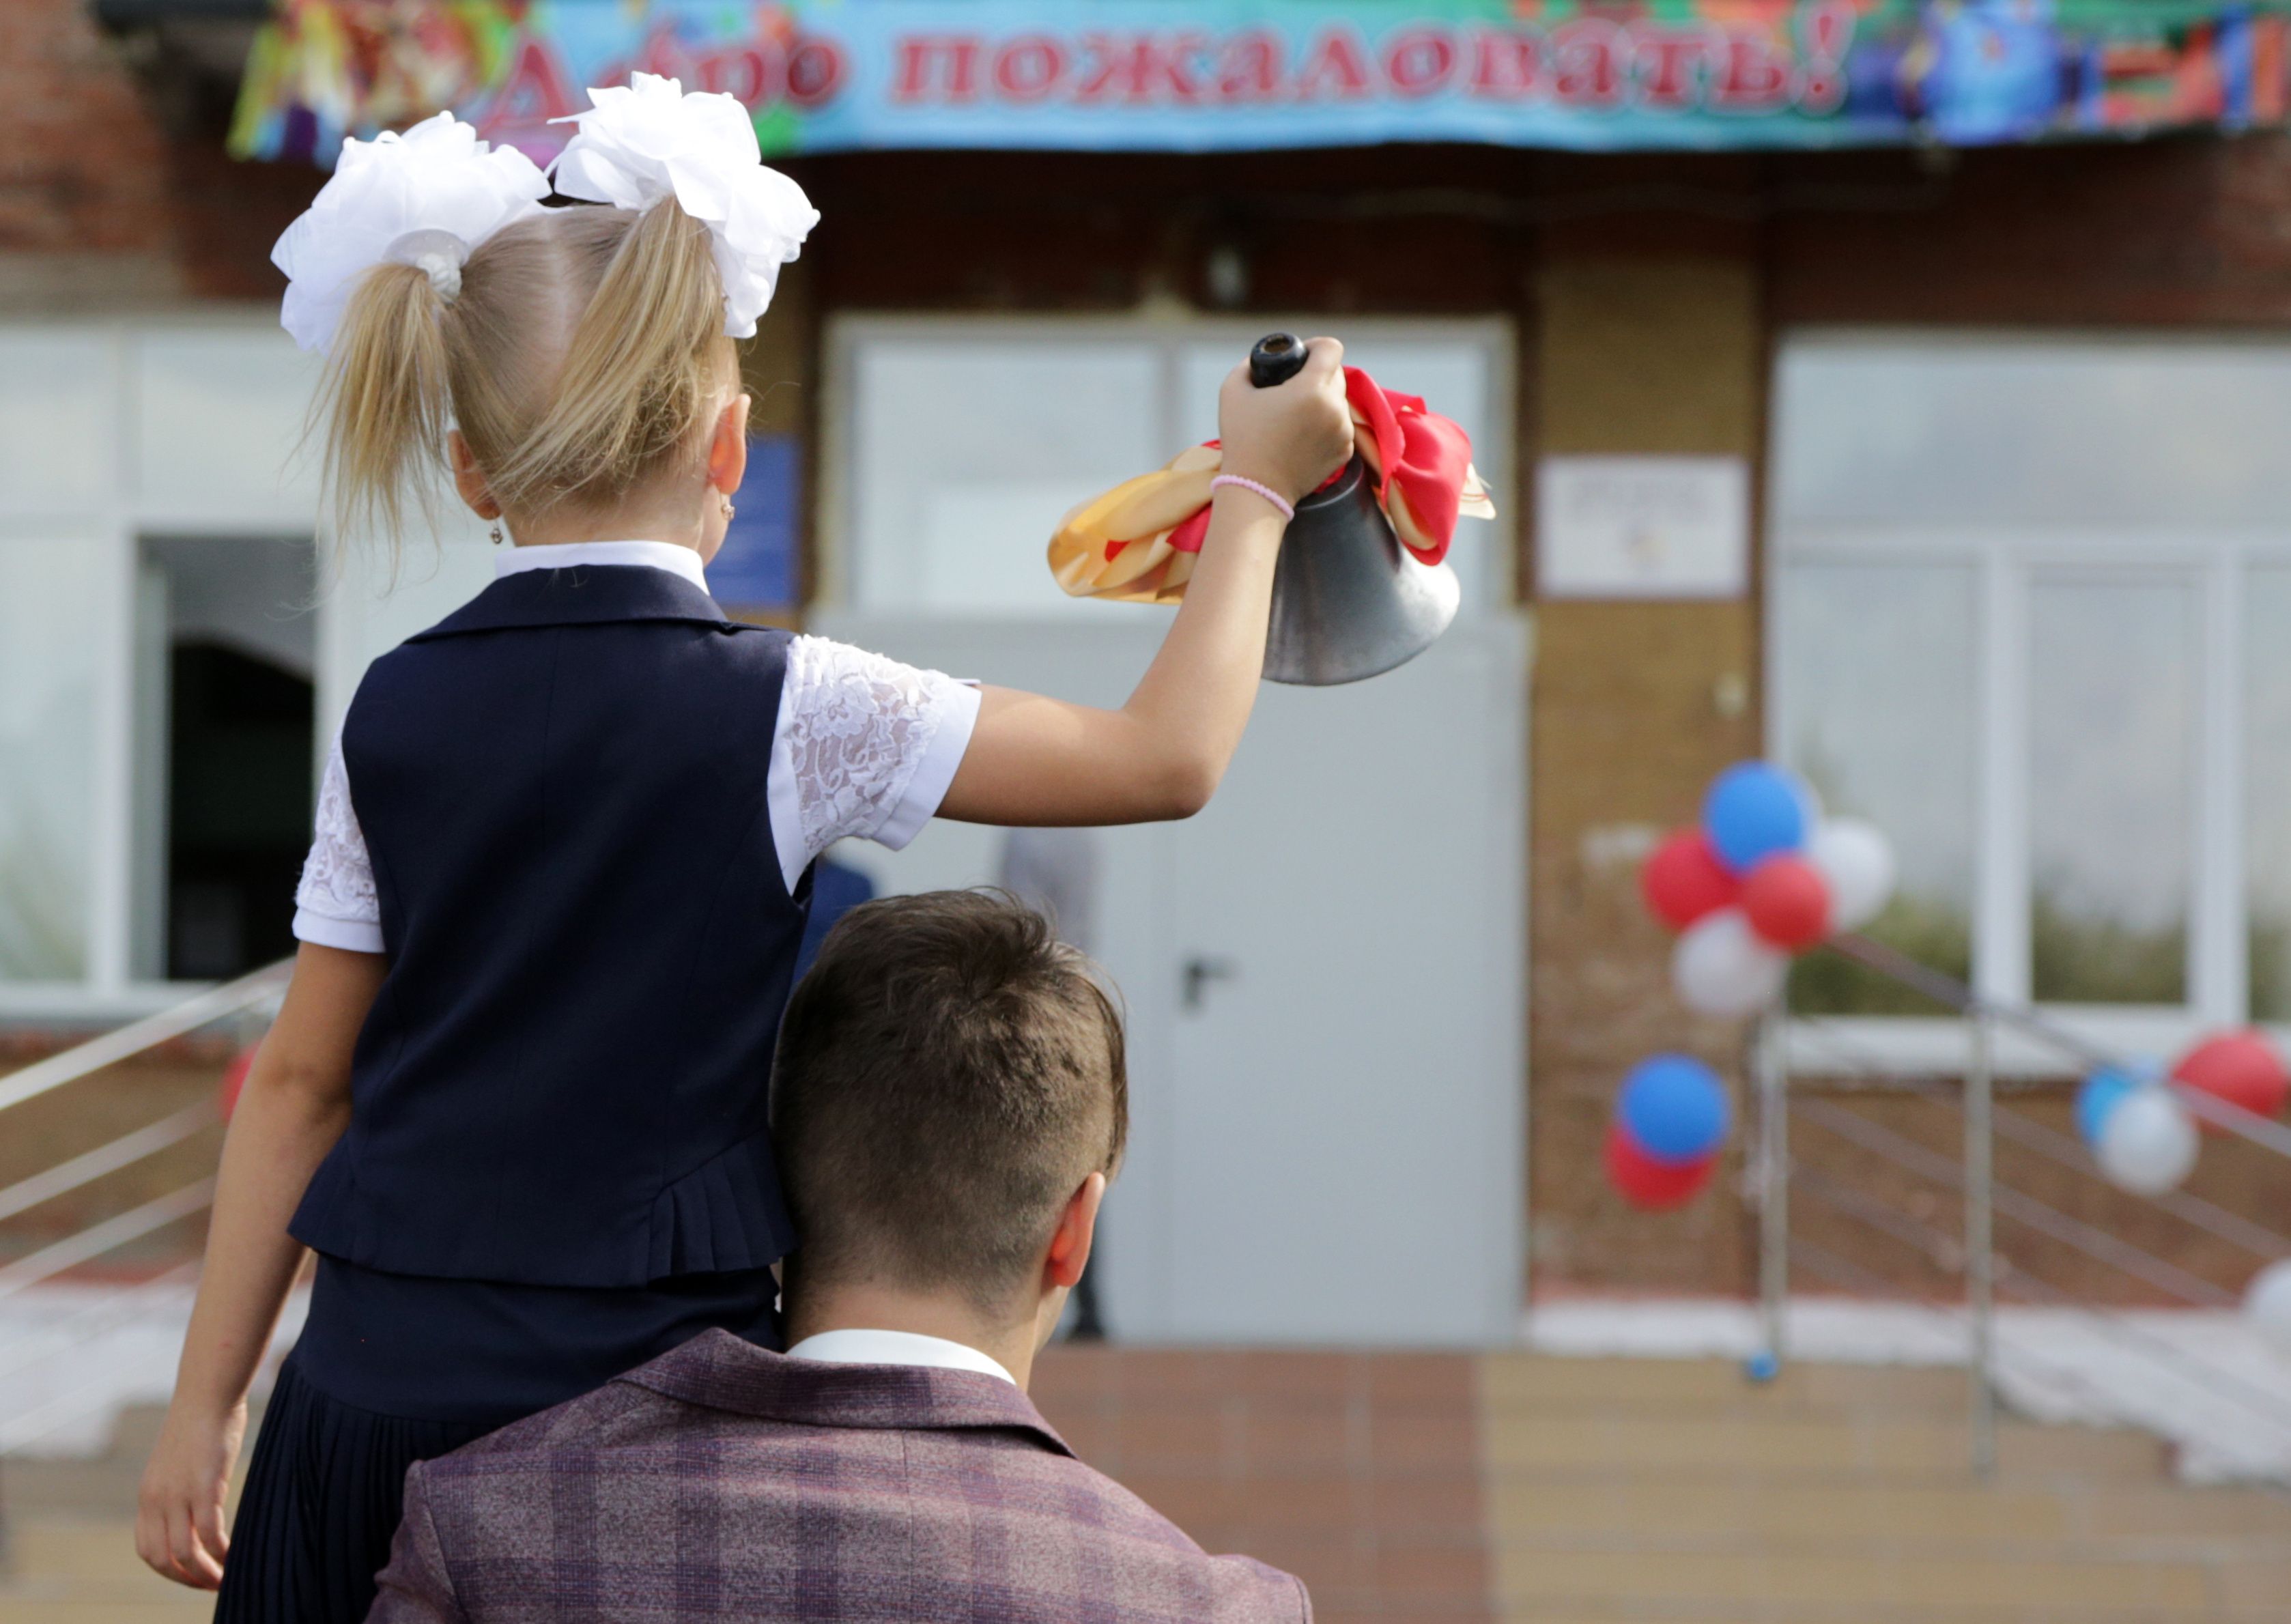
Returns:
point(721, 1481)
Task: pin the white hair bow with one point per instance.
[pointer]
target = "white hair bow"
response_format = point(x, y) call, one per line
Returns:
point(649, 140)
point(425, 198)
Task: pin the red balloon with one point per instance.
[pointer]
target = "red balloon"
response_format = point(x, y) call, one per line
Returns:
point(1787, 902)
point(233, 1079)
point(1650, 1184)
point(1684, 880)
point(2239, 1067)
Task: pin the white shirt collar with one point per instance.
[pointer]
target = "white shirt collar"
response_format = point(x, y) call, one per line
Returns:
point(856, 1347)
point(564, 555)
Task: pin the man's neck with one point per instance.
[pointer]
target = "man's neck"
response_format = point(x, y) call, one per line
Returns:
point(951, 1317)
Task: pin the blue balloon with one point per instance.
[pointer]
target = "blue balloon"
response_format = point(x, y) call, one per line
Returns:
point(1754, 810)
point(1674, 1107)
point(2105, 1090)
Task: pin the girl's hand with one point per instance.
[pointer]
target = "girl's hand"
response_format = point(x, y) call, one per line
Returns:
point(179, 1521)
point(1294, 434)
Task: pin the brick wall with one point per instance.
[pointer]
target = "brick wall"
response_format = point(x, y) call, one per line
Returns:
point(115, 191)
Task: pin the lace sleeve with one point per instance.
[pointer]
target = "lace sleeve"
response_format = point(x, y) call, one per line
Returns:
point(868, 745)
point(335, 905)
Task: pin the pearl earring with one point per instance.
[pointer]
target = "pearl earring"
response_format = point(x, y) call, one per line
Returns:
point(495, 534)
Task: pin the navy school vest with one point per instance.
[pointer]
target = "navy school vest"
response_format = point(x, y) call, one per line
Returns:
point(565, 1077)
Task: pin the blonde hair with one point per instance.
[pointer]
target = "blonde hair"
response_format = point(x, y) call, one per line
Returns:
point(584, 356)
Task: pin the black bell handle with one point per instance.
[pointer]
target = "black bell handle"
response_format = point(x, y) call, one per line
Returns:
point(1275, 359)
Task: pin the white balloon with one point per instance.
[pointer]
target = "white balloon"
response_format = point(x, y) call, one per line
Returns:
point(1857, 861)
point(2267, 1303)
point(2148, 1144)
point(1720, 967)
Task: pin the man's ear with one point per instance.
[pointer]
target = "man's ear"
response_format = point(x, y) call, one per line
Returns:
point(1070, 1241)
point(728, 447)
point(468, 478)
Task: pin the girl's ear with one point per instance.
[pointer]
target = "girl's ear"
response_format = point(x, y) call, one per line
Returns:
point(728, 447)
point(468, 478)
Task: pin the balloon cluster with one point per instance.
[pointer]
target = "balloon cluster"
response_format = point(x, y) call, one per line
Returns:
point(1762, 876)
point(1671, 1118)
point(2144, 1138)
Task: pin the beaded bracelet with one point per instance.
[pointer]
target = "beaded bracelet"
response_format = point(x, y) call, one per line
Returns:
point(1270, 494)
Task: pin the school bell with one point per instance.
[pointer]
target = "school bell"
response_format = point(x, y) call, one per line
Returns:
point(1348, 600)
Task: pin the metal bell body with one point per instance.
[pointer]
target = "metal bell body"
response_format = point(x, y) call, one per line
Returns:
point(1348, 600)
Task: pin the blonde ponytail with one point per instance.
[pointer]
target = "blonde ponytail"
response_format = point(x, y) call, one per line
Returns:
point(387, 404)
point(645, 365)
point(583, 355)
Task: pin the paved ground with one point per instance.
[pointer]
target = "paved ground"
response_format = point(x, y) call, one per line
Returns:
point(1520, 1486)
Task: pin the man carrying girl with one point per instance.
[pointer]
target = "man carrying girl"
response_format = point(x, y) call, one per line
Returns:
point(516, 1099)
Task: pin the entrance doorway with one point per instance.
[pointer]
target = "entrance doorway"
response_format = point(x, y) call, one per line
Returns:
point(1323, 975)
point(226, 666)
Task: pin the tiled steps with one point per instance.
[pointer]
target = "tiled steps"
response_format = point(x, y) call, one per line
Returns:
point(70, 1556)
point(64, 1570)
point(1662, 1489)
point(1516, 1487)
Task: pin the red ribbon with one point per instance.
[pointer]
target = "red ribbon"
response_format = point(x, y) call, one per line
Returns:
point(1422, 454)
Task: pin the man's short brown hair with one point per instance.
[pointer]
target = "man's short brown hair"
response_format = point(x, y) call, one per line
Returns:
point(949, 1071)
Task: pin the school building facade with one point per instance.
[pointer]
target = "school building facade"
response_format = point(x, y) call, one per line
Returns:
point(1951, 473)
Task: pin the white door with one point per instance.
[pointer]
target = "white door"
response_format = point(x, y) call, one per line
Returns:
point(1325, 974)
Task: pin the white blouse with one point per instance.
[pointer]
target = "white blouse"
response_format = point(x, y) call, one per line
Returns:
point(863, 746)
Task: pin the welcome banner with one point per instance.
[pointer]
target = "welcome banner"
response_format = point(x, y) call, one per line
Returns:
point(1206, 75)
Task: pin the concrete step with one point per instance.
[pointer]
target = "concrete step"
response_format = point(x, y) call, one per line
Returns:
point(2160, 1521)
point(1539, 1381)
point(102, 1487)
point(1781, 1447)
point(1837, 1586)
point(67, 1569)
point(2001, 1520)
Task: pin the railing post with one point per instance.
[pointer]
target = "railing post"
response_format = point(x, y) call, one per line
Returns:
point(1979, 1254)
point(1770, 1066)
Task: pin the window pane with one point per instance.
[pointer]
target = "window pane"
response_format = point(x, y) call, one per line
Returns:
point(2267, 787)
point(1877, 672)
point(2009, 431)
point(2112, 717)
point(967, 453)
point(50, 593)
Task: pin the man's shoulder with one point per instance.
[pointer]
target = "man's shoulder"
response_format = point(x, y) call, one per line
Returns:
point(1083, 1533)
point(836, 1468)
point(601, 1418)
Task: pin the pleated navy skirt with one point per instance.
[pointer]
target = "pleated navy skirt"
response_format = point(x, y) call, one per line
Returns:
point(394, 1369)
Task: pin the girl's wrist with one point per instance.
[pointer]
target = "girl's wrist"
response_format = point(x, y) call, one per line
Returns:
point(1254, 489)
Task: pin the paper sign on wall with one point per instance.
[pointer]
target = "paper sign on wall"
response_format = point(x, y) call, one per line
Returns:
point(1642, 527)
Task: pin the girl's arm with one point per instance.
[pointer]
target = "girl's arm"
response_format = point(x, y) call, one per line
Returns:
point(1037, 760)
point(295, 1106)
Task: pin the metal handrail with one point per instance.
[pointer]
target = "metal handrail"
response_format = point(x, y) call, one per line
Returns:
point(112, 1047)
point(1948, 992)
point(99, 1239)
point(2090, 1239)
point(29, 1425)
point(2262, 1242)
point(1773, 1174)
point(25, 1347)
point(1940, 1250)
point(122, 1151)
point(42, 1077)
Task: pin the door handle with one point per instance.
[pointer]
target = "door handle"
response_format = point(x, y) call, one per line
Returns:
point(1199, 972)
